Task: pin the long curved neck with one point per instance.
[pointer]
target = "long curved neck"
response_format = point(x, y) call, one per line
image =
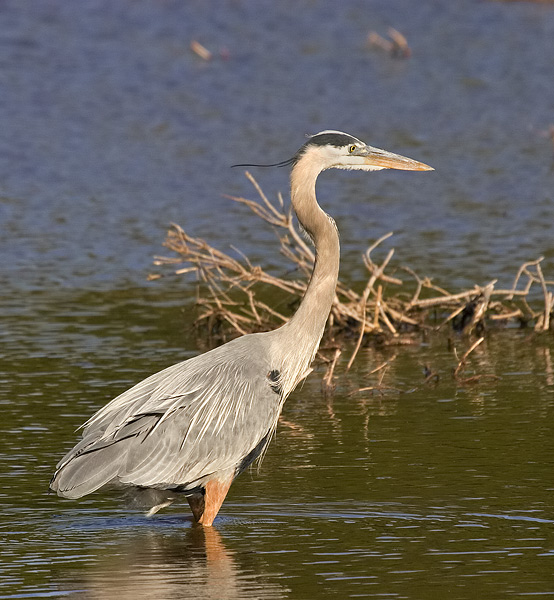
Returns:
point(305, 329)
point(312, 314)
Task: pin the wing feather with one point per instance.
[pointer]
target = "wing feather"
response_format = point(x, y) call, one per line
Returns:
point(210, 414)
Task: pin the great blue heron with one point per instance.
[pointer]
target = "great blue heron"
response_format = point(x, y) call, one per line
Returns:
point(193, 427)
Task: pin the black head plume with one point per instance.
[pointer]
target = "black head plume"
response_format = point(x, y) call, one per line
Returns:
point(323, 138)
point(284, 163)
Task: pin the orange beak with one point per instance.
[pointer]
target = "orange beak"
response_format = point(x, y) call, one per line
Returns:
point(387, 160)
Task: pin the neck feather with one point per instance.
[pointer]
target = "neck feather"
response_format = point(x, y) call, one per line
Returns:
point(304, 331)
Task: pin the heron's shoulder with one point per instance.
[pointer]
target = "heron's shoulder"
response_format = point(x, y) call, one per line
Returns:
point(250, 348)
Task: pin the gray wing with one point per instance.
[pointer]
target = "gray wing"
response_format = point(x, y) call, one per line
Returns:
point(211, 414)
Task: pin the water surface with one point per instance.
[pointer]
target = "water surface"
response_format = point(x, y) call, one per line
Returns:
point(112, 128)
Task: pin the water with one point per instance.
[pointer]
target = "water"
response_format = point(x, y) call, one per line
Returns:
point(112, 128)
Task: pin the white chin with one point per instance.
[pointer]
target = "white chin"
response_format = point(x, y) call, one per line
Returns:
point(359, 168)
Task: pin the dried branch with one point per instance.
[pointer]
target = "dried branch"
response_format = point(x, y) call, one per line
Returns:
point(230, 290)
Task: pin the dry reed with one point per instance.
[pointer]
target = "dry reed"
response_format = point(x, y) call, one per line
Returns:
point(395, 305)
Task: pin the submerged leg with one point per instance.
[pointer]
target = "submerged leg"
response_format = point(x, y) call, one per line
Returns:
point(206, 506)
point(213, 499)
point(196, 503)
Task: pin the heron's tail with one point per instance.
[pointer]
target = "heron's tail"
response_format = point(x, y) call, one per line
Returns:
point(84, 473)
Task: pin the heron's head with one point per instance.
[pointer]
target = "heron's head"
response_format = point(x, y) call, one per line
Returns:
point(338, 150)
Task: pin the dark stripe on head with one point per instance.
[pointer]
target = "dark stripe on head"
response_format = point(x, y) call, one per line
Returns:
point(327, 138)
point(324, 138)
point(332, 138)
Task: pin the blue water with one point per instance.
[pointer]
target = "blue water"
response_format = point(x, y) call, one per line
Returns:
point(111, 128)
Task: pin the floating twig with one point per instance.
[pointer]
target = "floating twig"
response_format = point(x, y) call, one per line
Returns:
point(200, 50)
point(397, 46)
point(462, 362)
point(327, 382)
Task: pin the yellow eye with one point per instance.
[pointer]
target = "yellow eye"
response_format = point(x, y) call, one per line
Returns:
point(352, 148)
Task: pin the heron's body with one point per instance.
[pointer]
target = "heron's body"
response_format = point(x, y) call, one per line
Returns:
point(193, 427)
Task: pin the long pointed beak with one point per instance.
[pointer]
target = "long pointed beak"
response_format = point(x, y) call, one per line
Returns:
point(387, 160)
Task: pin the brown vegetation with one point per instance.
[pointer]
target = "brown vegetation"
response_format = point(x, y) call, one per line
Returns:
point(394, 307)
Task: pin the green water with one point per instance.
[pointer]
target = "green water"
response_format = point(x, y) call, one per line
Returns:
point(433, 491)
point(111, 128)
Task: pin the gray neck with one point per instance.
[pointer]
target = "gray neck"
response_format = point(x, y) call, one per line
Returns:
point(302, 334)
point(312, 314)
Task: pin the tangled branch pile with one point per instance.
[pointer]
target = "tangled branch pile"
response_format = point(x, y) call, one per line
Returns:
point(393, 305)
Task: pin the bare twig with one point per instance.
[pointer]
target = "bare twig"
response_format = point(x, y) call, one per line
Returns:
point(462, 361)
point(230, 304)
point(200, 50)
point(473, 379)
point(544, 323)
point(397, 46)
point(327, 383)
